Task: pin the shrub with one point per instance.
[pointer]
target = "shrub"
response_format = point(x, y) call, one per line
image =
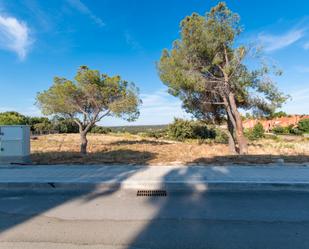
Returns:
point(182, 129)
point(42, 128)
point(303, 125)
point(201, 131)
point(138, 129)
point(279, 114)
point(286, 130)
point(42, 124)
point(281, 130)
point(154, 133)
point(100, 130)
point(256, 132)
point(62, 125)
point(36, 120)
point(12, 118)
point(296, 131)
point(221, 136)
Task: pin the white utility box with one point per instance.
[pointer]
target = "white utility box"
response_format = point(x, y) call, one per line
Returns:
point(14, 144)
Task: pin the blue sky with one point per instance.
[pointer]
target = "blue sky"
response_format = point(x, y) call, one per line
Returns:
point(42, 39)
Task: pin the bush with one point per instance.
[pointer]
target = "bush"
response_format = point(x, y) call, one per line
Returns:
point(279, 130)
point(154, 133)
point(36, 120)
point(201, 131)
point(182, 129)
point(257, 132)
point(12, 118)
point(62, 125)
point(279, 114)
point(286, 130)
point(138, 129)
point(100, 130)
point(303, 125)
point(221, 137)
point(296, 131)
point(42, 128)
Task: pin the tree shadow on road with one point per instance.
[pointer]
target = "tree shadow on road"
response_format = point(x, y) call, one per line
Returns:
point(196, 218)
point(203, 218)
point(22, 204)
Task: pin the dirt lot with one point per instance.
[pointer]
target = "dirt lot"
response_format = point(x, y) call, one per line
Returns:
point(64, 148)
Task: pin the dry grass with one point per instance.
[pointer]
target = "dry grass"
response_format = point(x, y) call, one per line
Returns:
point(132, 149)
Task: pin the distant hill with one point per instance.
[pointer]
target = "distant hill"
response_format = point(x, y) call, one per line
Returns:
point(137, 128)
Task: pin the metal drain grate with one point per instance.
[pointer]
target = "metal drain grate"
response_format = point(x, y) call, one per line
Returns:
point(151, 193)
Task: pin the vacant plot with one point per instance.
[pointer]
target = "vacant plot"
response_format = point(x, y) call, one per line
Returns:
point(133, 149)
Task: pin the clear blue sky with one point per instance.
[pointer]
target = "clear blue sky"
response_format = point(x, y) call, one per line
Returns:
point(42, 39)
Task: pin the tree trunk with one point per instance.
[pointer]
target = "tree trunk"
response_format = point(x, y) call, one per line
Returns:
point(83, 142)
point(231, 135)
point(235, 126)
point(239, 131)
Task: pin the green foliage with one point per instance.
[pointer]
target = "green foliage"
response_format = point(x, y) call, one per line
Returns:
point(205, 65)
point(182, 129)
point(303, 125)
point(160, 133)
point(137, 129)
point(39, 125)
point(257, 132)
point(280, 130)
point(259, 115)
point(283, 130)
point(287, 130)
point(278, 115)
point(36, 120)
point(63, 125)
point(100, 130)
point(90, 97)
point(42, 128)
point(201, 131)
point(221, 136)
point(12, 118)
point(296, 131)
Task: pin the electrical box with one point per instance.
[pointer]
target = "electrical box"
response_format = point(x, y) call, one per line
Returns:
point(14, 144)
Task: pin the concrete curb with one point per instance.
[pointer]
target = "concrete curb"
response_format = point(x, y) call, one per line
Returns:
point(183, 187)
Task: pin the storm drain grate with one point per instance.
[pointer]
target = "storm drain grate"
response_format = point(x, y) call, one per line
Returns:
point(151, 193)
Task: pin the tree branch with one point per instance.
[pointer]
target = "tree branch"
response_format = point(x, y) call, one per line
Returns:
point(226, 56)
point(80, 108)
point(214, 103)
point(104, 115)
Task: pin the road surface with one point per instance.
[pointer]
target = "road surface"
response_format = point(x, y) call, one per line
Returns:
point(119, 219)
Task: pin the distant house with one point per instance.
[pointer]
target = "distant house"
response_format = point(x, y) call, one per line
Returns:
point(270, 124)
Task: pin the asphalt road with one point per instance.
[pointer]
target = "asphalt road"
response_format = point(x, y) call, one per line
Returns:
point(120, 219)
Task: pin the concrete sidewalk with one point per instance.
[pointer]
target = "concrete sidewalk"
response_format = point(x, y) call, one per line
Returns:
point(82, 177)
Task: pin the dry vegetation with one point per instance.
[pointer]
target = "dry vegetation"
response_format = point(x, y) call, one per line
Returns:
point(134, 149)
